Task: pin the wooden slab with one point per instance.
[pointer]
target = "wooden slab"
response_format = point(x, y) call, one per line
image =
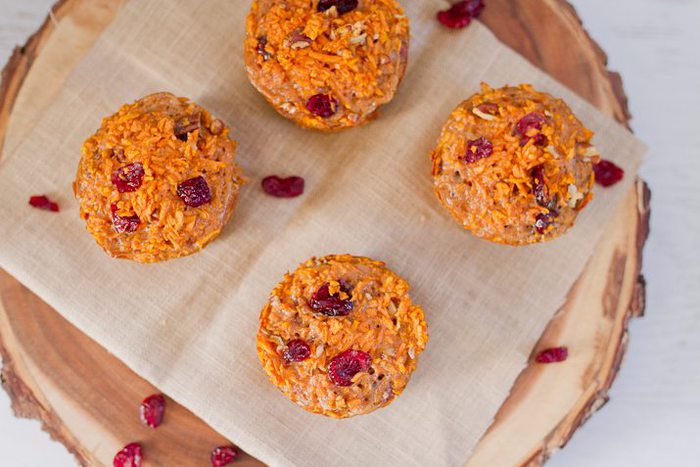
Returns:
point(88, 400)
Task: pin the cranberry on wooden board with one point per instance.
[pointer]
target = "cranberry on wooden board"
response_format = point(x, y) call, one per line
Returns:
point(43, 202)
point(346, 365)
point(289, 187)
point(129, 456)
point(151, 410)
point(461, 14)
point(607, 173)
point(552, 355)
point(223, 455)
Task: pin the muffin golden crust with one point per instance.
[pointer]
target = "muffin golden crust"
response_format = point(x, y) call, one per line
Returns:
point(326, 64)
point(158, 180)
point(340, 336)
point(514, 165)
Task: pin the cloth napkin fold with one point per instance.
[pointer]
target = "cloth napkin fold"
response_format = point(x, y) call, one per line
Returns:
point(189, 325)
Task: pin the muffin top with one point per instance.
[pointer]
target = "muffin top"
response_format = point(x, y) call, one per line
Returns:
point(514, 165)
point(340, 336)
point(326, 64)
point(158, 180)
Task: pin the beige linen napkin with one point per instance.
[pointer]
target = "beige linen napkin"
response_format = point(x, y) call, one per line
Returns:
point(189, 325)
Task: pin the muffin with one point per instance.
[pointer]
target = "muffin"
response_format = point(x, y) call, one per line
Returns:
point(158, 180)
point(326, 64)
point(514, 165)
point(340, 336)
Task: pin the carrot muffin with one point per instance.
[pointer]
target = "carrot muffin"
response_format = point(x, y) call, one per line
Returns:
point(340, 336)
point(514, 165)
point(326, 64)
point(158, 180)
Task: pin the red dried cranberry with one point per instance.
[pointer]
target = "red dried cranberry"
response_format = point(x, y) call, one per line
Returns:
point(129, 456)
point(262, 42)
point(343, 6)
point(124, 224)
point(461, 14)
point(289, 187)
point(552, 355)
point(151, 410)
point(478, 149)
point(43, 202)
point(542, 221)
point(331, 305)
point(223, 455)
point(527, 125)
point(322, 105)
point(297, 351)
point(128, 178)
point(194, 192)
point(346, 365)
point(539, 187)
point(607, 173)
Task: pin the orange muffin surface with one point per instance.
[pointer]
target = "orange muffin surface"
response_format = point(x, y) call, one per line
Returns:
point(340, 335)
point(514, 165)
point(158, 180)
point(326, 64)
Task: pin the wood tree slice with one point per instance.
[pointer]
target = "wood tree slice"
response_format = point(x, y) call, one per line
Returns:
point(87, 399)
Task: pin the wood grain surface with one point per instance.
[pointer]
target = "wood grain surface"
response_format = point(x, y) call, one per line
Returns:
point(86, 397)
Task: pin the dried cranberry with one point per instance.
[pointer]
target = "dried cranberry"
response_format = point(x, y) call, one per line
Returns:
point(297, 351)
point(331, 305)
point(289, 187)
point(262, 42)
point(478, 149)
point(194, 192)
point(151, 410)
point(124, 224)
point(322, 105)
point(461, 14)
point(43, 202)
point(223, 455)
point(526, 127)
point(129, 456)
point(539, 187)
point(607, 173)
point(128, 178)
point(552, 355)
point(346, 365)
point(542, 221)
point(343, 6)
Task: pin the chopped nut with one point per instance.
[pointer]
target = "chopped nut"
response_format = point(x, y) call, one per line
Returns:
point(300, 45)
point(476, 111)
point(216, 127)
point(288, 107)
point(359, 39)
point(591, 152)
point(575, 196)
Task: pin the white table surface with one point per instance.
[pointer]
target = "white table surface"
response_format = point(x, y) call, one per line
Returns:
point(653, 418)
